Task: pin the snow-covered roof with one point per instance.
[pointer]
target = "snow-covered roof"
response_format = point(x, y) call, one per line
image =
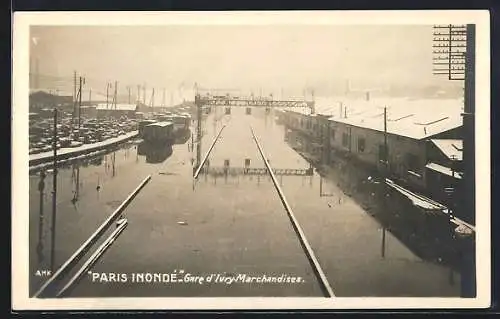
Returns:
point(405, 117)
point(451, 148)
point(415, 119)
point(121, 107)
point(443, 170)
point(161, 124)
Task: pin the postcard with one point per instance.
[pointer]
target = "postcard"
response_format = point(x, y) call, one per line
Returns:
point(251, 160)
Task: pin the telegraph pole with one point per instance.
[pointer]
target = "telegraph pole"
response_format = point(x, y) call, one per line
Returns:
point(128, 88)
point(152, 102)
point(107, 95)
point(74, 86)
point(138, 94)
point(454, 56)
point(79, 105)
point(384, 176)
point(163, 98)
point(73, 115)
point(54, 193)
point(144, 93)
point(469, 282)
point(199, 105)
point(41, 187)
point(116, 94)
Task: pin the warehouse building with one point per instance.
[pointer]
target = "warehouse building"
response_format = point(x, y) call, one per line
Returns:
point(116, 111)
point(355, 130)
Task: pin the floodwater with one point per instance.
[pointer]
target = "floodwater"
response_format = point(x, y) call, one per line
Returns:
point(226, 224)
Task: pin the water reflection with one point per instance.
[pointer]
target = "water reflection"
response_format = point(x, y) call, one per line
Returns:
point(75, 178)
point(154, 153)
point(428, 234)
point(40, 247)
point(182, 137)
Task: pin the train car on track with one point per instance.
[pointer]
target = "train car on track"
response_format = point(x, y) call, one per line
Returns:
point(159, 132)
point(143, 124)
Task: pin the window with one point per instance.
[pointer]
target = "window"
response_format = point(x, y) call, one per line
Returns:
point(332, 133)
point(361, 144)
point(249, 111)
point(345, 139)
point(228, 110)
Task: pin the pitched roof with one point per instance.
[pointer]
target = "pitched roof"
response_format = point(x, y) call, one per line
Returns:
point(405, 117)
point(444, 170)
point(161, 124)
point(451, 148)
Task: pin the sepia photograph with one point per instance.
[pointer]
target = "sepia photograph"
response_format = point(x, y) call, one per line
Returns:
point(219, 159)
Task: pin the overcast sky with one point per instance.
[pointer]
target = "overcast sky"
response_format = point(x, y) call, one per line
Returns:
point(238, 56)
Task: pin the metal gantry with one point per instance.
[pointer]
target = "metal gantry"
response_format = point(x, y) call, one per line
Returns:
point(211, 100)
point(256, 171)
point(231, 100)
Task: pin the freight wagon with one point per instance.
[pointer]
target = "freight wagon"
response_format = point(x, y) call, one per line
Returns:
point(143, 124)
point(160, 132)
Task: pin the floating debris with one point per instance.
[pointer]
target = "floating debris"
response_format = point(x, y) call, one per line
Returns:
point(182, 223)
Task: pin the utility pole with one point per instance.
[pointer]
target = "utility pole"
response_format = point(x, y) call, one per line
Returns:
point(41, 187)
point(469, 264)
point(163, 98)
point(73, 115)
point(79, 105)
point(385, 136)
point(313, 110)
point(384, 176)
point(90, 97)
point(115, 98)
point(54, 193)
point(138, 99)
point(74, 86)
point(454, 56)
point(128, 88)
point(144, 93)
point(199, 105)
point(107, 95)
point(37, 75)
point(152, 101)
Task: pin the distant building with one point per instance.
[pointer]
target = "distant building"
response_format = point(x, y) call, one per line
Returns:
point(152, 109)
point(356, 130)
point(118, 110)
point(48, 99)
